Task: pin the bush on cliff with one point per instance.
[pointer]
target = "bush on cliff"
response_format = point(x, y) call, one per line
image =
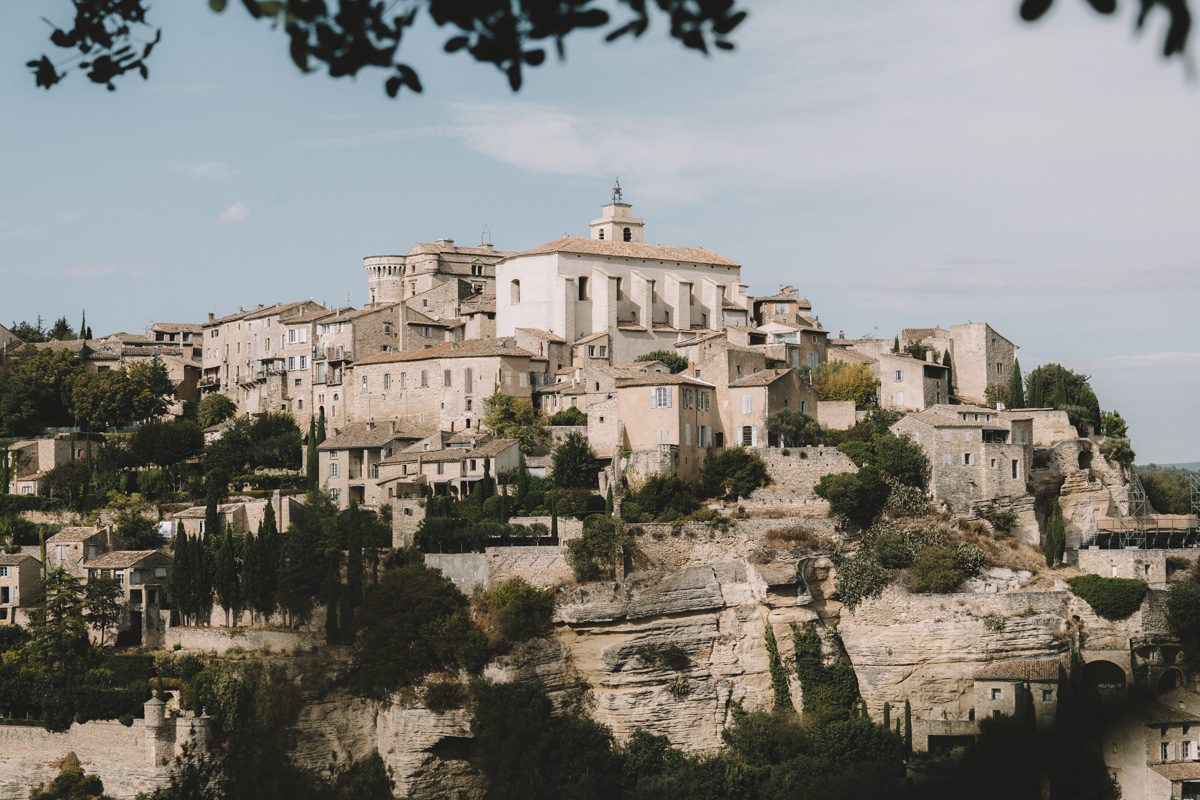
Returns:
point(732, 473)
point(1111, 598)
point(515, 611)
point(604, 544)
point(859, 496)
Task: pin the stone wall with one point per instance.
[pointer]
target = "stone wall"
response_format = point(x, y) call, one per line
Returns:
point(795, 472)
point(1145, 565)
point(543, 566)
point(220, 639)
point(1050, 426)
point(836, 414)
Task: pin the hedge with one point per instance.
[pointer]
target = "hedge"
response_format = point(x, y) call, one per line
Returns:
point(1111, 598)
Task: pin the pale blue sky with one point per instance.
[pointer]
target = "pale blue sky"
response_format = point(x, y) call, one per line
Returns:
point(922, 163)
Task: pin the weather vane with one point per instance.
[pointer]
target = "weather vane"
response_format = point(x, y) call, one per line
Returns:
point(617, 190)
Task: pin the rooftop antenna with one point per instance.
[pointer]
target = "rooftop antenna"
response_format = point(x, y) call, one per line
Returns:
point(616, 192)
point(485, 237)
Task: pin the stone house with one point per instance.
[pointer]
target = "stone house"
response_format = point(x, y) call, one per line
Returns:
point(235, 515)
point(8, 341)
point(1021, 686)
point(30, 459)
point(349, 460)
point(244, 514)
point(73, 548)
point(908, 384)
point(543, 344)
point(973, 454)
point(450, 469)
point(751, 400)
point(441, 387)
point(980, 356)
point(582, 386)
point(1050, 425)
point(20, 580)
point(1155, 752)
point(667, 422)
point(426, 266)
point(633, 297)
point(244, 356)
point(143, 575)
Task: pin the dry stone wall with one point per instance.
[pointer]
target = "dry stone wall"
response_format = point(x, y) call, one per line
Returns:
point(795, 472)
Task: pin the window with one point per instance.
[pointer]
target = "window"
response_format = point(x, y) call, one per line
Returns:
point(292, 336)
point(1164, 751)
point(522, 377)
point(803, 406)
point(364, 383)
point(747, 436)
point(747, 404)
point(812, 360)
point(705, 435)
point(994, 462)
point(968, 459)
point(334, 453)
point(945, 436)
point(387, 382)
point(472, 467)
point(335, 470)
point(468, 380)
point(303, 362)
point(687, 397)
point(628, 235)
point(1185, 751)
point(403, 380)
point(661, 397)
point(446, 381)
point(997, 694)
point(900, 398)
point(335, 495)
point(1047, 695)
point(899, 375)
point(514, 292)
point(702, 400)
point(996, 713)
point(424, 379)
point(687, 434)
point(1015, 469)
point(583, 288)
point(601, 236)
point(947, 459)
point(3, 572)
point(662, 435)
point(441, 468)
point(374, 471)
point(291, 362)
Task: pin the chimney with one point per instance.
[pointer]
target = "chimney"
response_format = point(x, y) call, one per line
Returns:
point(370, 424)
point(211, 316)
point(929, 356)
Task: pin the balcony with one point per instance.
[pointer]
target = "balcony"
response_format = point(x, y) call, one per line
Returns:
point(332, 353)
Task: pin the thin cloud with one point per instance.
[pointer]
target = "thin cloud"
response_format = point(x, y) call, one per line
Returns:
point(238, 212)
point(1176, 358)
point(373, 139)
point(204, 169)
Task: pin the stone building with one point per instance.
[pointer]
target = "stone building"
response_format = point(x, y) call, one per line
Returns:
point(73, 548)
point(349, 460)
point(243, 514)
point(426, 266)
point(8, 341)
point(29, 460)
point(628, 296)
point(749, 402)
point(449, 469)
point(245, 356)
point(143, 576)
point(980, 356)
point(441, 387)
point(908, 384)
point(20, 578)
point(583, 386)
point(1155, 752)
point(973, 454)
point(667, 422)
point(1010, 688)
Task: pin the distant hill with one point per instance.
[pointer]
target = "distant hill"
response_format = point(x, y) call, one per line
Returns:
point(1194, 466)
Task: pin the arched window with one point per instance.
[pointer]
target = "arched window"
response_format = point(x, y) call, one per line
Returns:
point(628, 235)
point(583, 288)
point(514, 292)
point(601, 233)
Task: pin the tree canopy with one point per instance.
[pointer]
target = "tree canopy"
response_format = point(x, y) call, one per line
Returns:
point(842, 381)
point(672, 360)
point(515, 418)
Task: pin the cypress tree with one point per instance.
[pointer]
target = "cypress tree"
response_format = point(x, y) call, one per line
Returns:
point(226, 579)
point(267, 551)
point(250, 572)
point(553, 519)
point(1055, 540)
point(182, 574)
point(896, 345)
point(887, 716)
point(522, 482)
point(352, 596)
point(1060, 387)
point(608, 501)
point(321, 426)
point(949, 371)
point(907, 728)
point(1016, 387)
point(487, 478)
point(4, 479)
point(311, 474)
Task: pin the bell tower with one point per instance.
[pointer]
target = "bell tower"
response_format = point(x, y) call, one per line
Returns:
point(616, 224)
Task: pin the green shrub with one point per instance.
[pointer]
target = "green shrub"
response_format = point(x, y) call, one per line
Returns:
point(732, 473)
point(661, 498)
point(126, 720)
point(1111, 598)
point(444, 695)
point(568, 416)
point(860, 577)
point(679, 687)
point(935, 570)
point(859, 497)
point(594, 555)
point(1183, 615)
point(516, 611)
point(1003, 521)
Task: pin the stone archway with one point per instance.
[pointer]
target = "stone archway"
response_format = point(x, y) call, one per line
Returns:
point(1107, 679)
point(1171, 678)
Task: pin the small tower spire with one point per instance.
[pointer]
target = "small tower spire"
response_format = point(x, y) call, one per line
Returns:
point(616, 192)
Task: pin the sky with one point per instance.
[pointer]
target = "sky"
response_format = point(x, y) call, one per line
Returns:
point(902, 164)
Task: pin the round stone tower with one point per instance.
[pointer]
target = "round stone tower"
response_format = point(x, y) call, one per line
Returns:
point(385, 279)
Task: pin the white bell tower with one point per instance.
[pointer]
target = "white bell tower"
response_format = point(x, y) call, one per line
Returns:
point(616, 224)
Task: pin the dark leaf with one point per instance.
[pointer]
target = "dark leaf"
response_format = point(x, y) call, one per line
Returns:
point(534, 57)
point(1034, 9)
point(1103, 6)
point(456, 43)
point(392, 85)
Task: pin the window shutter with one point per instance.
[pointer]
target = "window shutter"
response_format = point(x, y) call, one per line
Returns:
point(653, 403)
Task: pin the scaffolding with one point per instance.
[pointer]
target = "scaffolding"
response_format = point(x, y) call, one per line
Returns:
point(1141, 529)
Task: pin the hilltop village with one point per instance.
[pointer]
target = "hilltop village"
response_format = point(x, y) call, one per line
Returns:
point(703, 502)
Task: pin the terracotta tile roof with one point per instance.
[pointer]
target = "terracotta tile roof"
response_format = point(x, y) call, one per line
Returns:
point(803, 302)
point(1179, 771)
point(630, 326)
point(318, 314)
point(654, 252)
point(938, 421)
point(13, 559)
point(176, 327)
point(849, 356)
point(417, 318)
point(361, 435)
point(661, 379)
point(1023, 669)
point(764, 377)
point(920, 334)
point(448, 246)
point(543, 334)
point(74, 535)
point(472, 348)
point(489, 449)
point(120, 559)
point(279, 309)
point(1160, 713)
point(592, 337)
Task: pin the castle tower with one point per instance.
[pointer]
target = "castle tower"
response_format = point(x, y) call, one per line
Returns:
point(385, 279)
point(616, 224)
point(160, 737)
